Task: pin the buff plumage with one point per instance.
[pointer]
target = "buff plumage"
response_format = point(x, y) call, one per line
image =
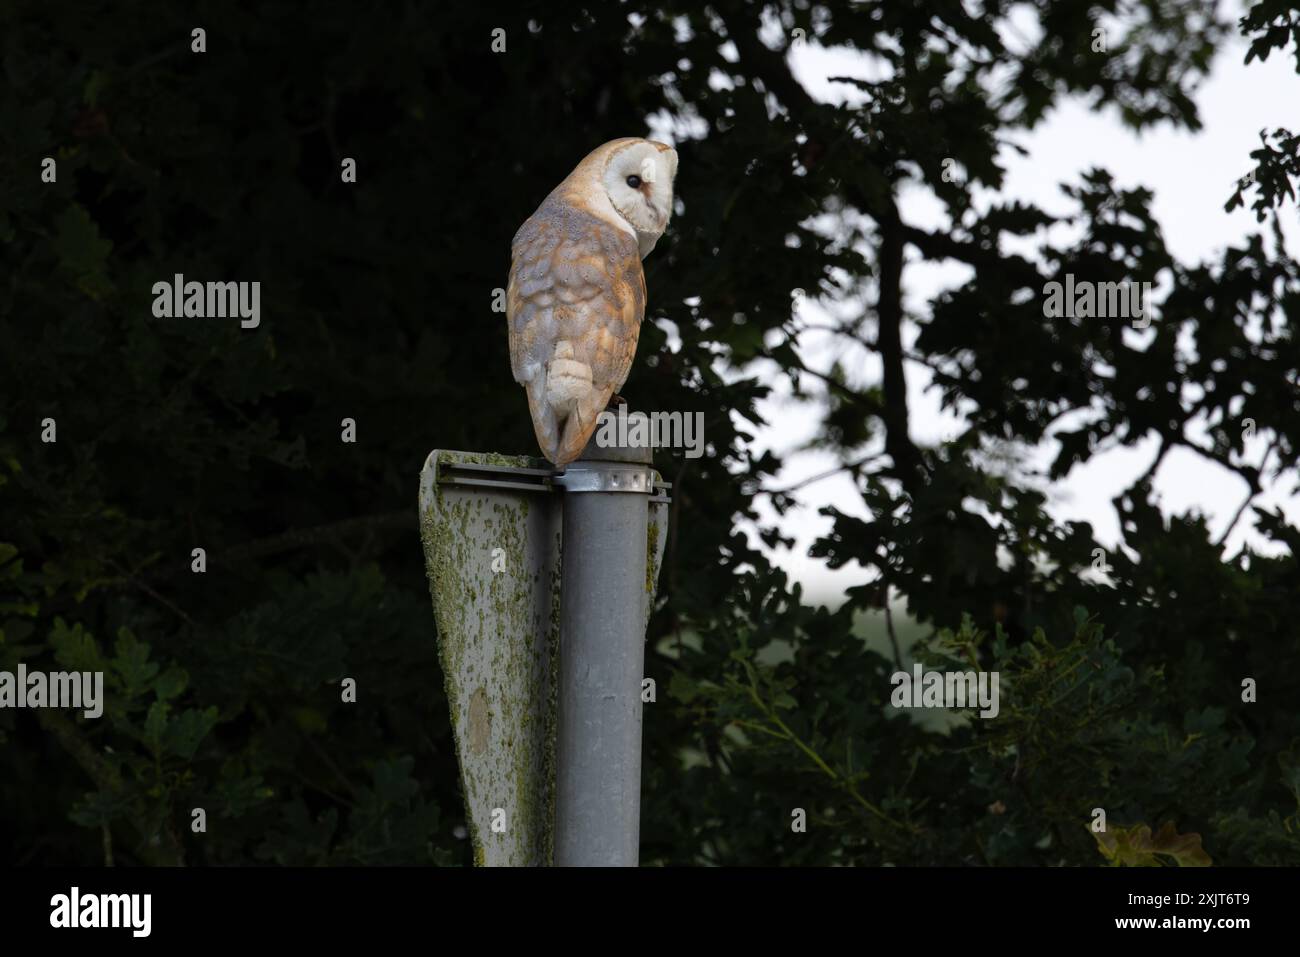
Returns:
point(577, 294)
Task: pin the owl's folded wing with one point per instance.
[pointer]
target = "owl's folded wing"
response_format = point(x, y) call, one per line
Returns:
point(574, 305)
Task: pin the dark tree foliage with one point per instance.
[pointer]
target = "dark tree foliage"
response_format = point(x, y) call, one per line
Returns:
point(177, 434)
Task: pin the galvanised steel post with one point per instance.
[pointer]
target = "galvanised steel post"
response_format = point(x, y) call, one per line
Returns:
point(602, 657)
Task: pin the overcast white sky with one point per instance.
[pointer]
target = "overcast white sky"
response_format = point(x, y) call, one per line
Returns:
point(1191, 177)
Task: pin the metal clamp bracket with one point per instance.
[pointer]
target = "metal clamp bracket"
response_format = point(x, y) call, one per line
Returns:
point(492, 476)
point(606, 477)
point(581, 476)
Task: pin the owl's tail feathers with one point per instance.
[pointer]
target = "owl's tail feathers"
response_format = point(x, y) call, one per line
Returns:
point(564, 403)
point(579, 426)
point(544, 424)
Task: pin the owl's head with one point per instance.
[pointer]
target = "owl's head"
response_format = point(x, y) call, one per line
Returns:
point(638, 180)
point(628, 183)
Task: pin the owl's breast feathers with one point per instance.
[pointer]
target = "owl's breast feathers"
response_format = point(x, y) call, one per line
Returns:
point(574, 304)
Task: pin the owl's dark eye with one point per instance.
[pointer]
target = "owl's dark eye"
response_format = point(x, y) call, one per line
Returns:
point(634, 181)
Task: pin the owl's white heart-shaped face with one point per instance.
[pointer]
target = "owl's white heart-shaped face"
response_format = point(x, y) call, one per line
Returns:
point(638, 180)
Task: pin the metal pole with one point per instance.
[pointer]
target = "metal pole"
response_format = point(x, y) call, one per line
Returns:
point(602, 658)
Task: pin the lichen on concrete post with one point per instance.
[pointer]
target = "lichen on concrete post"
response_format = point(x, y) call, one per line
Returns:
point(491, 526)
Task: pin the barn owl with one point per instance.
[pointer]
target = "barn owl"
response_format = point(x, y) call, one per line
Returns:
point(576, 296)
